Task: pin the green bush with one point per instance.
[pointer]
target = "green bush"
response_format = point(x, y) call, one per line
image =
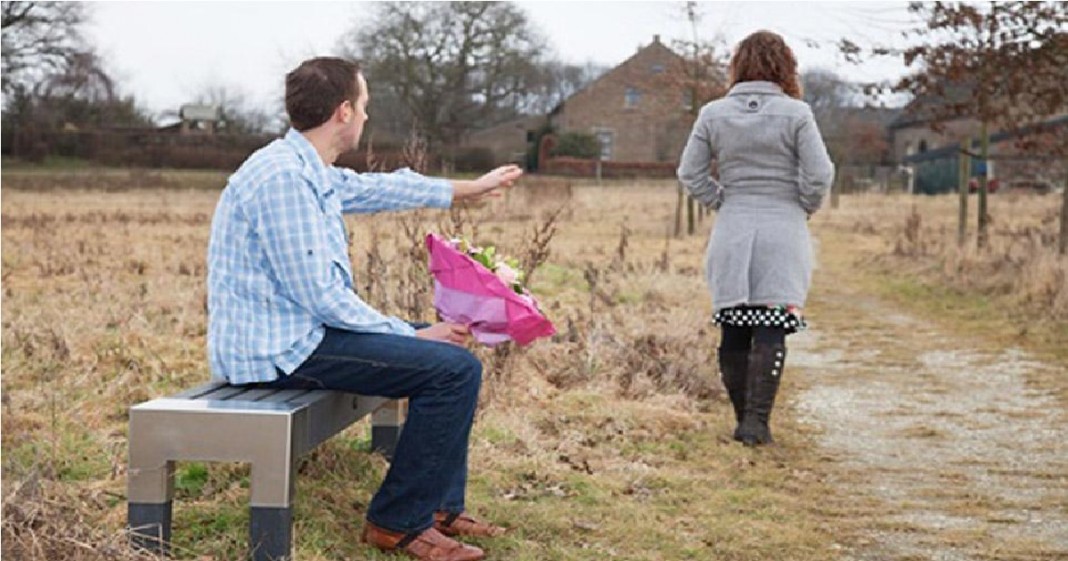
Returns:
point(577, 145)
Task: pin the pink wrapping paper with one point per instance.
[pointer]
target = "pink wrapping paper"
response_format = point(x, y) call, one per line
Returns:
point(467, 292)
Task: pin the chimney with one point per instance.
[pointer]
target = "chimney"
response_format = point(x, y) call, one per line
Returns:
point(656, 38)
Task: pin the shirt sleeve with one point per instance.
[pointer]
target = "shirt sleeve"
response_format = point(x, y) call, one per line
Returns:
point(817, 170)
point(293, 231)
point(400, 190)
point(695, 167)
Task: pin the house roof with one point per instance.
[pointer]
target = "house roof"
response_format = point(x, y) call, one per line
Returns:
point(832, 119)
point(520, 123)
point(656, 45)
point(925, 108)
point(951, 149)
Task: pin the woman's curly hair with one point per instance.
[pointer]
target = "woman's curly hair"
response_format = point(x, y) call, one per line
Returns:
point(764, 56)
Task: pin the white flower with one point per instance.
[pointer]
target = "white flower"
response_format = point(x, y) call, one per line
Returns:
point(507, 274)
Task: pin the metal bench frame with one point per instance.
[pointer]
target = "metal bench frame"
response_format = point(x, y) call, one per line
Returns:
point(268, 428)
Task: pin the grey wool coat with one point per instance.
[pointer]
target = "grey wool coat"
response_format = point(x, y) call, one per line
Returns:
point(773, 173)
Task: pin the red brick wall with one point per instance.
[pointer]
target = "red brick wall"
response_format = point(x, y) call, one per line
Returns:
point(577, 167)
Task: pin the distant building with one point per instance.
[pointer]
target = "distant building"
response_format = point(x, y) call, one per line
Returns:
point(911, 131)
point(508, 141)
point(932, 156)
point(197, 118)
point(640, 110)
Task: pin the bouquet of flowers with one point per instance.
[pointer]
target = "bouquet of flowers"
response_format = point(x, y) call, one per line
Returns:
point(474, 287)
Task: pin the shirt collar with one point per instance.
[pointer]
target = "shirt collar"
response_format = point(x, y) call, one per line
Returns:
point(314, 168)
point(755, 87)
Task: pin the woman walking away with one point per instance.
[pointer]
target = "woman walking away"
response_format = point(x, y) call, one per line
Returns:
point(773, 174)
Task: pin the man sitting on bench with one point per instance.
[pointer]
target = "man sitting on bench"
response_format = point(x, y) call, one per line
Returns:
point(283, 313)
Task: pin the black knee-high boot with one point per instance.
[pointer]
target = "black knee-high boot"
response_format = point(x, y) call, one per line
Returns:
point(762, 383)
point(733, 370)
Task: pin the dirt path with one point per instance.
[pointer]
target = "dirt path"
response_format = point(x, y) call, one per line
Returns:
point(940, 449)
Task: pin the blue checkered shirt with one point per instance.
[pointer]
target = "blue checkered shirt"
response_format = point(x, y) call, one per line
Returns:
point(278, 264)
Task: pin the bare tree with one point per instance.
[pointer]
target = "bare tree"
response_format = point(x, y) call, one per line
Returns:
point(52, 77)
point(826, 91)
point(81, 75)
point(80, 93)
point(854, 133)
point(701, 74)
point(237, 112)
point(454, 66)
point(829, 96)
point(1002, 63)
point(39, 39)
point(552, 82)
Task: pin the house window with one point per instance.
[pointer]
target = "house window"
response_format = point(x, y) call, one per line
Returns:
point(658, 68)
point(631, 98)
point(605, 137)
point(687, 100)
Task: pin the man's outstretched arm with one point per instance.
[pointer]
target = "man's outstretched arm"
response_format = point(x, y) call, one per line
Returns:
point(405, 189)
point(488, 184)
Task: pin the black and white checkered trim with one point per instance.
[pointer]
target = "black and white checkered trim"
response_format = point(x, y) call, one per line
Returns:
point(760, 316)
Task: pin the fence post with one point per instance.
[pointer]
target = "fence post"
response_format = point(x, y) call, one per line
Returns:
point(1064, 216)
point(678, 212)
point(981, 237)
point(964, 167)
point(690, 226)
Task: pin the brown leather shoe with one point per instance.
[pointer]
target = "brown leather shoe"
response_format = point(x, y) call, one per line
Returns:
point(430, 545)
point(453, 524)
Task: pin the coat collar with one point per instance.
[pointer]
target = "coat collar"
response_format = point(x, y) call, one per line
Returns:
point(755, 87)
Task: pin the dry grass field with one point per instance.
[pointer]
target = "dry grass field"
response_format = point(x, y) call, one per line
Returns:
point(610, 441)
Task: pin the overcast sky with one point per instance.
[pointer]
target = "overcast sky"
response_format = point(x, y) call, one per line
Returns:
point(165, 53)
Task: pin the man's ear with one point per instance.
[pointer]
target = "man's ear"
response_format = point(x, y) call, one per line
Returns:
point(343, 113)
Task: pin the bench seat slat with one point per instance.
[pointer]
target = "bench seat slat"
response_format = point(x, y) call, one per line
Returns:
point(199, 391)
point(227, 392)
point(256, 394)
point(285, 396)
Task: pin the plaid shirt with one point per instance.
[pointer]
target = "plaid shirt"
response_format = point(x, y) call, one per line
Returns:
point(278, 263)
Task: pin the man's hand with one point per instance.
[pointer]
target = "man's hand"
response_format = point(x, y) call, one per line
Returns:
point(445, 332)
point(488, 184)
point(503, 176)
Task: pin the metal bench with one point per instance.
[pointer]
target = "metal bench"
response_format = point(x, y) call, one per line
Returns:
point(268, 428)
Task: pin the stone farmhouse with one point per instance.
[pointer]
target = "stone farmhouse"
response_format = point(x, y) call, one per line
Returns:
point(640, 111)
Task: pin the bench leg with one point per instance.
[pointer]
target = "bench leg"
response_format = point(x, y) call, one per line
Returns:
point(150, 525)
point(271, 502)
point(150, 491)
point(386, 424)
point(271, 533)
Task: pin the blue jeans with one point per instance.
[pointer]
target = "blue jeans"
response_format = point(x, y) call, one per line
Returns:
point(441, 381)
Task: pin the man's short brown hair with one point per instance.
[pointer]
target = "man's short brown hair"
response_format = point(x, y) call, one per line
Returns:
point(316, 87)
